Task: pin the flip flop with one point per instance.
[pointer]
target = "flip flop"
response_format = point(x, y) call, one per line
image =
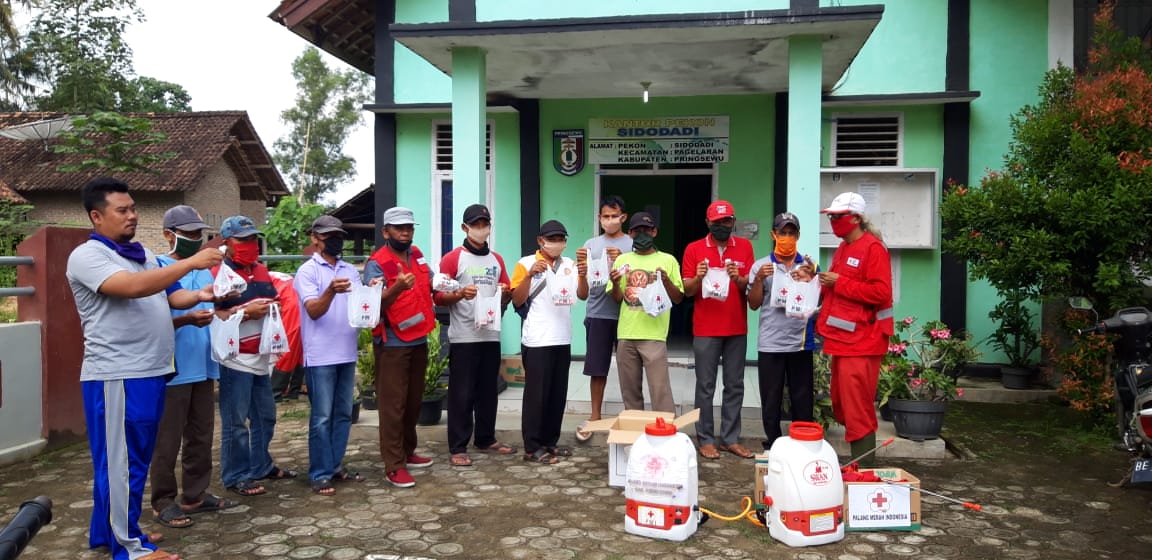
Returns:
point(709, 451)
point(173, 517)
point(497, 449)
point(460, 460)
point(211, 503)
point(560, 451)
point(541, 456)
point(161, 555)
point(247, 488)
point(738, 450)
point(323, 487)
point(583, 435)
point(344, 475)
point(278, 473)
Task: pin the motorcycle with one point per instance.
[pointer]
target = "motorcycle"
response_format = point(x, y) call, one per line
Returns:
point(1132, 379)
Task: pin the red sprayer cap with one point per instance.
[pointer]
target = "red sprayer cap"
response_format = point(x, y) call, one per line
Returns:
point(806, 431)
point(660, 428)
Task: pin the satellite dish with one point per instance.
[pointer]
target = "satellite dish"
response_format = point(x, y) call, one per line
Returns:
point(39, 130)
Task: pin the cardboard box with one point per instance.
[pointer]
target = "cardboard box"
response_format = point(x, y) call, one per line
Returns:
point(878, 506)
point(760, 471)
point(623, 431)
point(512, 370)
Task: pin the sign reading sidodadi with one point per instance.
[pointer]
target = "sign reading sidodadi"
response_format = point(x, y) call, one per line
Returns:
point(658, 140)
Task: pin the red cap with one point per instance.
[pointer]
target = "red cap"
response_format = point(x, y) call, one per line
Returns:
point(806, 431)
point(719, 210)
point(660, 428)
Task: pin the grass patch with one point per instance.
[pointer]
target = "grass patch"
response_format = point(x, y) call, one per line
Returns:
point(8, 310)
point(294, 414)
point(1002, 430)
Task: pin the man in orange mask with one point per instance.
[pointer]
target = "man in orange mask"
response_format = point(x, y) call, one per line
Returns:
point(784, 344)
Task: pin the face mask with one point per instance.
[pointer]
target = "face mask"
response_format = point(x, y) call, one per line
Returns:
point(643, 241)
point(720, 232)
point(785, 245)
point(843, 226)
point(333, 246)
point(399, 246)
point(245, 253)
point(479, 235)
point(185, 247)
point(611, 227)
point(554, 248)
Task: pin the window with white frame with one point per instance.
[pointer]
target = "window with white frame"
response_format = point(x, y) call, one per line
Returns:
point(868, 140)
point(447, 221)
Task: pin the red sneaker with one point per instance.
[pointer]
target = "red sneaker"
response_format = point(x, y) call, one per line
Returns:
point(400, 478)
point(417, 462)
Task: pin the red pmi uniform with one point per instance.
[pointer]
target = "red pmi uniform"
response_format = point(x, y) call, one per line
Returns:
point(712, 317)
point(856, 321)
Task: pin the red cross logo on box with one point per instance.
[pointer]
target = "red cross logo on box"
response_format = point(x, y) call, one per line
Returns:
point(880, 502)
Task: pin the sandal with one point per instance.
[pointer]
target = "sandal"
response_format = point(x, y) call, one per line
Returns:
point(160, 555)
point(460, 460)
point(560, 451)
point(345, 475)
point(247, 488)
point(497, 448)
point(583, 435)
point(210, 503)
point(323, 487)
point(278, 473)
point(738, 450)
point(709, 452)
point(173, 517)
point(541, 456)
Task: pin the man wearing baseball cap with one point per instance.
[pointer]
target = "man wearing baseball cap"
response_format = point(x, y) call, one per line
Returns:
point(247, 408)
point(474, 352)
point(856, 319)
point(322, 284)
point(719, 326)
point(400, 342)
point(545, 284)
point(642, 346)
point(186, 428)
point(784, 344)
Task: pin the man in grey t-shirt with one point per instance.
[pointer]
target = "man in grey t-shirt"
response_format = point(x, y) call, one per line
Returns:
point(602, 312)
point(128, 349)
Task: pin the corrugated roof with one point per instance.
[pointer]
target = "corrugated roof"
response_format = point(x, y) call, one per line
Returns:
point(199, 140)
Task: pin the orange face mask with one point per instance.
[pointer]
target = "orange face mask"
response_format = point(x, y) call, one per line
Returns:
point(785, 245)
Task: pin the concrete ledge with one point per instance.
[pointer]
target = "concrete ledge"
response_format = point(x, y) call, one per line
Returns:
point(989, 390)
point(21, 452)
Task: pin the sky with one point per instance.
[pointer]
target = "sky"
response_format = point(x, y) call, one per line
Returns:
point(230, 56)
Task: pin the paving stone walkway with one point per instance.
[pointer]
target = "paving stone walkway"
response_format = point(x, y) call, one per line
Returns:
point(502, 507)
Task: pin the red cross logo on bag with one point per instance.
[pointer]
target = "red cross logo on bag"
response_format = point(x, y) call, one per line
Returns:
point(715, 285)
point(366, 306)
point(799, 298)
point(231, 343)
point(783, 291)
point(276, 337)
point(491, 313)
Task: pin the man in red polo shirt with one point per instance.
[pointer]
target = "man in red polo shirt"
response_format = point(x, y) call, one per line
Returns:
point(719, 325)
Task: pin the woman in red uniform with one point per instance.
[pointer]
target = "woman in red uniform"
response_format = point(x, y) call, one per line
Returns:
point(856, 318)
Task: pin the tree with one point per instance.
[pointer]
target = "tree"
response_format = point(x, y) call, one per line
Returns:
point(111, 142)
point(16, 68)
point(1068, 213)
point(286, 232)
point(13, 227)
point(327, 109)
point(78, 47)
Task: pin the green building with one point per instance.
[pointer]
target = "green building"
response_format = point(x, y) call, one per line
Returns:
point(539, 109)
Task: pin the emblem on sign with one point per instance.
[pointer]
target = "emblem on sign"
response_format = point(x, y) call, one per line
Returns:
point(568, 151)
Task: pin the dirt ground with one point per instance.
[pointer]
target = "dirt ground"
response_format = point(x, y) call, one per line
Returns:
point(1041, 480)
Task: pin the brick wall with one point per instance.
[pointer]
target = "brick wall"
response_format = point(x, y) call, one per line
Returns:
point(218, 196)
point(66, 209)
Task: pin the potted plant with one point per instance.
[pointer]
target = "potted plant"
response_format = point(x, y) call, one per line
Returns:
point(435, 388)
point(913, 381)
point(1016, 337)
point(366, 370)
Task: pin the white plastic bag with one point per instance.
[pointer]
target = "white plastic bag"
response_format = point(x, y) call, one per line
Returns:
point(273, 337)
point(781, 286)
point(561, 287)
point(227, 282)
point(225, 336)
point(803, 298)
point(715, 284)
point(598, 270)
point(486, 308)
point(364, 305)
point(443, 283)
point(654, 298)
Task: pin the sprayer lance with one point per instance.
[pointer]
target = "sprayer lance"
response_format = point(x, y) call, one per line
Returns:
point(969, 505)
point(869, 452)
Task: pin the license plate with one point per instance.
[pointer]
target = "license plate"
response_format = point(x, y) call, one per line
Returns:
point(1142, 471)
